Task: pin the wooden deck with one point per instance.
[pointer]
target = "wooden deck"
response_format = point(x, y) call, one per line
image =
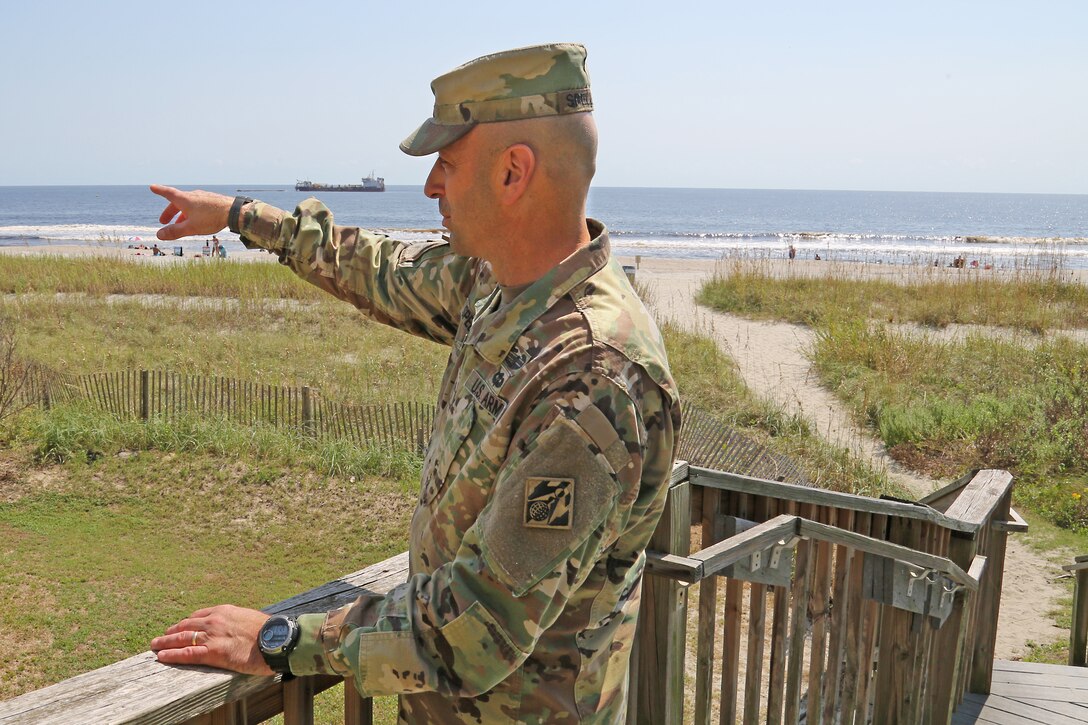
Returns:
point(1024, 692)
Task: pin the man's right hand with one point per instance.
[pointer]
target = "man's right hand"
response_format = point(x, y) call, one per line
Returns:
point(191, 213)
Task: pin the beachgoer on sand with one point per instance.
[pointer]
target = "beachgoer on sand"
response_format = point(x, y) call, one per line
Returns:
point(556, 424)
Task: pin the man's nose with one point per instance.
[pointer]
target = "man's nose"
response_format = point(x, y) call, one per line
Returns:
point(434, 187)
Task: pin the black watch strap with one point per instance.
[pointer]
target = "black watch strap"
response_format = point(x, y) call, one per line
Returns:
point(235, 212)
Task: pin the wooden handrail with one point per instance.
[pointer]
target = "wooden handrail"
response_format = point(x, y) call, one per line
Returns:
point(713, 559)
point(821, 497)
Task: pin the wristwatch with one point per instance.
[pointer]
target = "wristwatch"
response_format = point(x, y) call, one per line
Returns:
point(233, 221)
point(278, 636)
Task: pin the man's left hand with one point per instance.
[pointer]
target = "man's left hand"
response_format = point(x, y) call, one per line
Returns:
point(223, 636)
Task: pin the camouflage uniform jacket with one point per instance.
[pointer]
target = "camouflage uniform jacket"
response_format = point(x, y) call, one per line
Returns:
point(545, 477)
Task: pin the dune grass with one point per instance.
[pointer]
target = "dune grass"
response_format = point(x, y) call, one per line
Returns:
point(941, 406)
point(198, 277)
point(1026, 301)
point(326, 344)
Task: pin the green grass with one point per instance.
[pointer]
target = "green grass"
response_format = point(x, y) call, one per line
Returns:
point(944, 407)
point(102, 551)
point(199, 278)
point(327, 345)
point(1026, 301)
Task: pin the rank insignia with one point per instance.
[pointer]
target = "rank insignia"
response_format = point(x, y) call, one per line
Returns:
point(549, 503)
point(515, 360)
point(498, 378)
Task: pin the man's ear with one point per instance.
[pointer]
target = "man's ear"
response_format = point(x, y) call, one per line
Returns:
point(516, 171)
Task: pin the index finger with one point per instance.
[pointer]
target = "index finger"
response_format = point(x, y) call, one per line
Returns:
point(172, 195)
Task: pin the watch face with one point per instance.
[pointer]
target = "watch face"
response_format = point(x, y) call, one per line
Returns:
point(275, 634)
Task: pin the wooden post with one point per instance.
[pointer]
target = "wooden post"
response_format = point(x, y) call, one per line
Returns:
point(1078, 632)
point(662, 623)
point(307, 411)
point(357, 710)
point(298, 701)
point(145, 395)
point(989, 593)
point(708, 607)
point(947, 683)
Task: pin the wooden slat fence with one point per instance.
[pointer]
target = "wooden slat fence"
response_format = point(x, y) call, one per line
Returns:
point(705, 440)
point(708, 442)
point(165, 394)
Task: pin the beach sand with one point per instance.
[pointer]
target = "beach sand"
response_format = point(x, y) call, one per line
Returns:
point(772, 357)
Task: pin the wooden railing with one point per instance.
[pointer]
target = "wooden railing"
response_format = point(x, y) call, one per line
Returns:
point(845, 609)
point(842, 608)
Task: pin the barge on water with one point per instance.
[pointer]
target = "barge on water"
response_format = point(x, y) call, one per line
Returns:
point(370, 183)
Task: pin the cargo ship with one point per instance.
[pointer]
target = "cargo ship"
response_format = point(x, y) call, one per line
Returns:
point(370, 183)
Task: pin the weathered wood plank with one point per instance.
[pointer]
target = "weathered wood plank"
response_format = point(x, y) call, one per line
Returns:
point(718, 556)
point(708, 603)
point(989, 606)
point(1002, 711)
point(1076, 710)
point(887, 549)
point(1040, 668)
point(799, 592)
point(757, 635)
point(818, 613)
point(836, 650)
point(1041, 679)
point(979, 499)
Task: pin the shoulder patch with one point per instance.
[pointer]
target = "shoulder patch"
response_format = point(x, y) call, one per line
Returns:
point(549, 503)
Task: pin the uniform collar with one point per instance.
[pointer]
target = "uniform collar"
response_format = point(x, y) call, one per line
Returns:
point(495, 333)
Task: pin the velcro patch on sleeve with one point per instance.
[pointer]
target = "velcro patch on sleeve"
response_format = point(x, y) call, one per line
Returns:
point(547, 507)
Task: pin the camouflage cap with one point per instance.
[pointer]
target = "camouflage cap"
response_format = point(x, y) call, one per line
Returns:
point(540, 80)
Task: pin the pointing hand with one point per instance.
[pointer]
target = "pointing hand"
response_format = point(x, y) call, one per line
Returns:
point(191, 213)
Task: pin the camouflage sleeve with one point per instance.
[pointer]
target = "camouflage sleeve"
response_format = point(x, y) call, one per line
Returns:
point(419, 288)
point(559, 503)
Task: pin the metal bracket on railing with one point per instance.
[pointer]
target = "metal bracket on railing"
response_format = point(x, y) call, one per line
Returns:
point(916, 573)
point(773, 565)
point(911, 587)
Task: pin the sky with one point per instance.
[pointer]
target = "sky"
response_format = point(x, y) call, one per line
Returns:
point(986, 96)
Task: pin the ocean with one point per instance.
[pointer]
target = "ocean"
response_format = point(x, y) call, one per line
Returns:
point(1003, 230)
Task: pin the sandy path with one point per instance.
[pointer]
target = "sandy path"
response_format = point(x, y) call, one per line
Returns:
point(773, 359)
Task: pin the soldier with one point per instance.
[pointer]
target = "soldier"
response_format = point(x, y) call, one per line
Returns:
point(557, 418)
